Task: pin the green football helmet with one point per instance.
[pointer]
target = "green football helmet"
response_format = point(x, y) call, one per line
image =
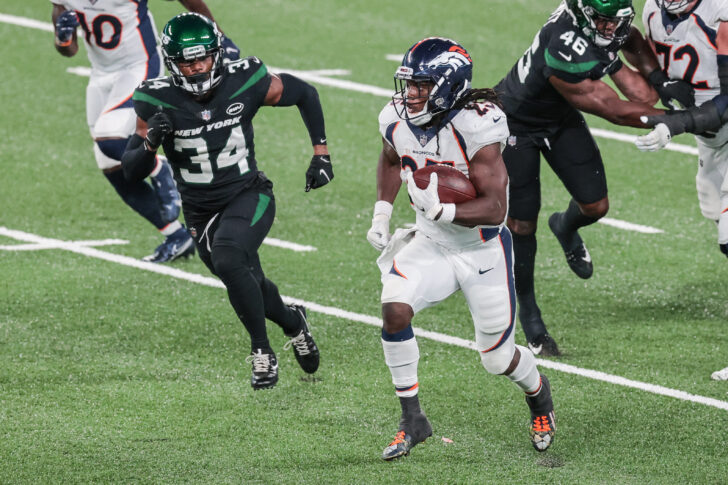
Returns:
point(187, 37)
point(604, 22)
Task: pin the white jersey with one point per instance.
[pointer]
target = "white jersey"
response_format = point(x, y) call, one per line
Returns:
point(686, 46)
point(462, 133)
point(117, 33)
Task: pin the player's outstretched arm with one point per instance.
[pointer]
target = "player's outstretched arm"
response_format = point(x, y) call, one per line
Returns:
point(287, 90)
point(597, 98)
point(388, 184)
point(489, 176)
point(64, 24)
point(640, 52)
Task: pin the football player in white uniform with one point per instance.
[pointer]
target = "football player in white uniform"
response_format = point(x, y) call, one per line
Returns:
point(121, 43)
point(436, 118)
point(690, 38)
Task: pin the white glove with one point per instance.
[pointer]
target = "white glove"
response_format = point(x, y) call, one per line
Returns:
point(425, 200)
point(428, 201)
point(658, 138)
point(378, 235)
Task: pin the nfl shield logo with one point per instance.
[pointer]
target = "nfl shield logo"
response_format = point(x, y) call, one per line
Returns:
point(93, 2)
point(423, 139)
point(669, 29)
point(206, 115)
point(193, 232)
point(512, 140)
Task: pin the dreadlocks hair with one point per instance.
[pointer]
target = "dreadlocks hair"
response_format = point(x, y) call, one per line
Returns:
point(468, 101)
point(473, 96)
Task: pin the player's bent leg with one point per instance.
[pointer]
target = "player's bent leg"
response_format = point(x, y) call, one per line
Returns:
point(529, 314)
point(304, 347)
point(519, 365)
point(402, 355)
point(165, 189)
point(565, 227)
point(232, 266)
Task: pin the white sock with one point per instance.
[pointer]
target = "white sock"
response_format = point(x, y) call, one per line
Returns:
point(526, 374)
point(402, 358)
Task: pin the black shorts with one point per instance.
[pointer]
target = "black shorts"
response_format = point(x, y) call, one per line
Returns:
point(242, 224)
point(572, 154)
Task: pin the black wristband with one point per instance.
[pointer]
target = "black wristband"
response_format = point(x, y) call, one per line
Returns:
point(723, 76)
point(299, 93)
point(137, 162)
point(657, 77)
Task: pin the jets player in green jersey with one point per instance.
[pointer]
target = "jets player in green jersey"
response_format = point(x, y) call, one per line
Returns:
point(558, 76)
point(202, 116)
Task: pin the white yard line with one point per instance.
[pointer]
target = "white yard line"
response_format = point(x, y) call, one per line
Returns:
point(356, 317)
point(36, 247)
point(628, 226)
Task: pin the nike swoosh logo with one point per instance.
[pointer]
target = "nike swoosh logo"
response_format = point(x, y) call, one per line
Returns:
point(323, 140)
point(496, 119)
point(568, 58)
point(587, 256)
point(480, 271)
point(323, 172)
point(536, 350)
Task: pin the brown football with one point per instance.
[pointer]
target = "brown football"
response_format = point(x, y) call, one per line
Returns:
point(453, 186)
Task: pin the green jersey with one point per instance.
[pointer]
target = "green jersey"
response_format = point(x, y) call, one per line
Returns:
point(211, 149)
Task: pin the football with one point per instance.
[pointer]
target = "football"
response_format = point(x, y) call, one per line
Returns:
point(453, 186)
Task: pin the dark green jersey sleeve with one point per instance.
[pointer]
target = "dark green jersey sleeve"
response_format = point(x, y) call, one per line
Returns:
point(570, 57)
point(152, 96)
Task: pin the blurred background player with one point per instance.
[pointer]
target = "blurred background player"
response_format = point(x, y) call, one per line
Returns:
point(690, 39)
point(542, 95)
point(202, 116)
point(121, 43)
point(436, 118)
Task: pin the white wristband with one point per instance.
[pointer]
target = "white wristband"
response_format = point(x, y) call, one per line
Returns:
point(448, 213)
point(383, 207)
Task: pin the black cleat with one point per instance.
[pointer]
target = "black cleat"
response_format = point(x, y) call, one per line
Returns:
point(413, 430)
point(544, 346)
point(265, 369)
point(575, 251)
point(177, 245)
point(307, 353)
point(543, 421)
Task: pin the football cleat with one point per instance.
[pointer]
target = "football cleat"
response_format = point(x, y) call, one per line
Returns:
point(403, 442)
point(575, 251)
point(720, 375)
point(544, 346)
point(177, 245)
point(265, 369)
point(305, 349)
point(165, 189)
point(543, 421)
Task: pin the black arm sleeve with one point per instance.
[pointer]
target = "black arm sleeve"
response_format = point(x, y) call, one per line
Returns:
point(137, 162)
point(305, 96)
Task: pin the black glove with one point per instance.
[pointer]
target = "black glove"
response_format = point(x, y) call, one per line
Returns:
point(230, 51)
point(66, 24)
point(724, 249)
point(319, 172)
point(677, 121)
point(672, 90)
point(158, 126)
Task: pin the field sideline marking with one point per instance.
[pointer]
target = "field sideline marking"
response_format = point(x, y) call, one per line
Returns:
point(77, 248)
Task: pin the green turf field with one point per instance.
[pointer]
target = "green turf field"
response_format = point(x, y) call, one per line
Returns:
point(111, 373)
